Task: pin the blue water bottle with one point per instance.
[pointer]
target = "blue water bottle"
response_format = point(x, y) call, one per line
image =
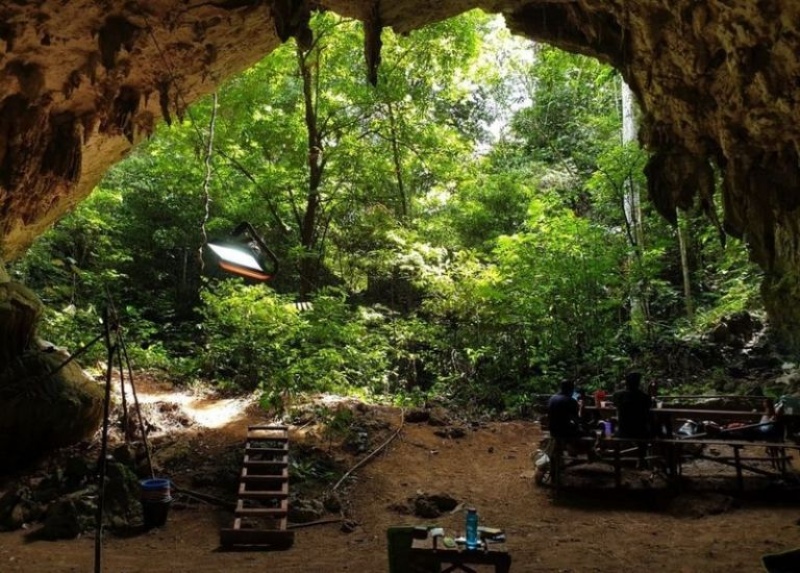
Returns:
point(472, 528)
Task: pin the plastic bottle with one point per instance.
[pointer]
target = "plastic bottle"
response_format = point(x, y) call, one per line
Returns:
point(472, 528)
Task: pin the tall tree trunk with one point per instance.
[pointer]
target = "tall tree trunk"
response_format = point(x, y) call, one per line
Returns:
point(687, 285)
point(633, 217)
point(309, 263)
point(207, 179)
point(398, 168)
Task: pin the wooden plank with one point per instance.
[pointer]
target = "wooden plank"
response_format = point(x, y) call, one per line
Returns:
point(274, 449)
point(263, 435)
point(272, 512)
point(245, 493)
point(266, 451)
point(267, 435)
point(231, 538)
point(279, 463)
point(272, 458)
point(264, 464)
point(265, 470)
point(264, 479)
point(732, 443)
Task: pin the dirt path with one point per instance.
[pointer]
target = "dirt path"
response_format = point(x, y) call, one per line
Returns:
point(490, 469)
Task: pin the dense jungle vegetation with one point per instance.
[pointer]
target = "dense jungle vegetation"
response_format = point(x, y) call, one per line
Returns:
point(459, 230)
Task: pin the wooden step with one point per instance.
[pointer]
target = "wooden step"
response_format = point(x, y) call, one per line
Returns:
point(239, 537)
point(275, 446)
point(248, 449)
point(251, 463)
point(276, 439)
point(266, 451)
point(280, 493)
point(267, 435)
point(281, 462)
point(249, 477)
point(281, 511)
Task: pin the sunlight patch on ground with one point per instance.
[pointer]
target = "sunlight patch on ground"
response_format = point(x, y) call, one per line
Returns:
point(204, 410)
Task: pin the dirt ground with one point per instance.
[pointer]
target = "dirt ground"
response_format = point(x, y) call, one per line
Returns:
point(594, 530)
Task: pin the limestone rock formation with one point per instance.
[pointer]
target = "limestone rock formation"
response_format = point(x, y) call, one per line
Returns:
point(20, 310)
point(44, 405)
point(718, 82)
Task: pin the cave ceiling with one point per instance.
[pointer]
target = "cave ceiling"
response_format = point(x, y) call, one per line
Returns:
point(718, 81)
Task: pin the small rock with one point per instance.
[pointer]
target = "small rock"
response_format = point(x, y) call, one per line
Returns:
point(332, 503)
point(438, 417)
point(452, 432)
point(305, 510)
point(417, 416)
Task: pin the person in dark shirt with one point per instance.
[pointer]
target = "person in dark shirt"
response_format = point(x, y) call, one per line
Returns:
point(633, 409)
point(633, 413)
point(562, 413)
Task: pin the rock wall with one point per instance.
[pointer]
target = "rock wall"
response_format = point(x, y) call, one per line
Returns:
point(718, 82)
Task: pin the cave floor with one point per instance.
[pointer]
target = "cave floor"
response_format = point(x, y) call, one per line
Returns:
point(490, 468)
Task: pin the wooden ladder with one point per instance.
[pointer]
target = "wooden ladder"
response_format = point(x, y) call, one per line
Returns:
point(262, 510)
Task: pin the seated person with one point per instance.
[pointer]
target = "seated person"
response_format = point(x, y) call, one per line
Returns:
point(769, 427)
point(633, 409)
point(633, 413)
point(771, 424)
point(562, 412)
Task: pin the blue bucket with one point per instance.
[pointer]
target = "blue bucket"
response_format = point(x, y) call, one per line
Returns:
point(156, 499)
point(155, 490)
point(155, 483)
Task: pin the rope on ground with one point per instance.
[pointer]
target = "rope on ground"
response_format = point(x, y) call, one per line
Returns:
point(313, 523)
point(373, 452)
point(204, 497)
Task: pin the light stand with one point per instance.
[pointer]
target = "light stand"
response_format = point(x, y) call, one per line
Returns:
point(103, 460)
point(116, 348)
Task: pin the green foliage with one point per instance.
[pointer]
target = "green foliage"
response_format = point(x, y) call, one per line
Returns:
point(469, 214)
point(259, 339)
point(574, 114)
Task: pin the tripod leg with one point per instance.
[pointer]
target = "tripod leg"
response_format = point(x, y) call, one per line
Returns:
point(142, 430)
point(124, 418)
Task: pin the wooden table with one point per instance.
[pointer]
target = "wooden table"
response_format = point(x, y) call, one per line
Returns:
point(775, 455)
point(672, 453)
point(424, 557)
point(689, 413)
point(671, 417)
point(412, 550)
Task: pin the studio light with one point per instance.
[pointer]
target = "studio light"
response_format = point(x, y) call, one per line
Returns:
point(245, 254)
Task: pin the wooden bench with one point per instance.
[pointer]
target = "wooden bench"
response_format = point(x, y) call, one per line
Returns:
point(671, 452)
point(776, 455)
point(612, 450)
